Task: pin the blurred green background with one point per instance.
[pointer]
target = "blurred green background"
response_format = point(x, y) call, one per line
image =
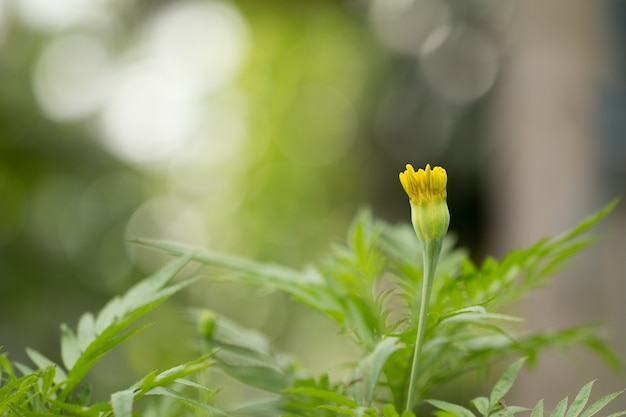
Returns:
point(252, 127)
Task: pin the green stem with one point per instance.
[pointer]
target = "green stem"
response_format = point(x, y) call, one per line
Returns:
point(431, 251)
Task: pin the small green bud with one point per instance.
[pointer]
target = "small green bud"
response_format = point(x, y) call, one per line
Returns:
point(206, 323)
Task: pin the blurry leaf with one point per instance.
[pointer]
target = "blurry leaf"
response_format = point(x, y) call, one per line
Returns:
point(174, 374)
point(538, 410)
point(171, 393)
point(340, 410)
point(326, 395)
point(580, 401)
point(70, 350)
point(228, 334)
point(122, 403)
point(83, 395)
point(600, 404)
point(86, 330)
point(559, 410)
point(389, 410)
point(262, 377)
point(504, 384)
point(266, 408)
point(246, 356)
point(42, 362)
point(476, 317)
point(306, 287)
point(481, 404)
point(113, 320)
point(452, 408)
point(368, 370)
point(109, 312)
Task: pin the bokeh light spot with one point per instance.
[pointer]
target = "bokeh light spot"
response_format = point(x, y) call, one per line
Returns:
point(207, 40)
point(402, 25)
point(70, 78)
point(461, 65)
point(148, 117)
point(57, 14)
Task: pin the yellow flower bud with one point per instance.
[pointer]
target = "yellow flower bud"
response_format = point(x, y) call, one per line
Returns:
point(426, 189)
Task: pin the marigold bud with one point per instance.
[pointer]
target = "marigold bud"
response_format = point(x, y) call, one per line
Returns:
point(426, 189)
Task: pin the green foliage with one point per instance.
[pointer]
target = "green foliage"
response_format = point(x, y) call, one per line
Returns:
point(54, 390)
point(371, 288)
point(494, 405)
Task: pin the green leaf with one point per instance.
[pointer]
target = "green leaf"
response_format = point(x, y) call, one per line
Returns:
point(42, 362)
point(600, 404)
point(559, 410)
point(112, 321)
point(369, 368)
point(308, 287)
point(339, 410)
point(192, 401)
point(86, 330)
point(261, 377)
point(504, 384)
point(122, 403)
point(389, 410)
point(451, 408)
point(326, 395)
point(70, 349)
point(538, 410)
point(481, 404)
point(617, 414)
point(580, 401)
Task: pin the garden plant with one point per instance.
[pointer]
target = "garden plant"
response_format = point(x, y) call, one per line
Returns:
point(419, 311)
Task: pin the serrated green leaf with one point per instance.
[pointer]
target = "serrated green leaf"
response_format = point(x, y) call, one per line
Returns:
point(458, 410)
point(600, 404)
point(580, 401)
point(504, 384)
point(70, 350)
point(122, 403)
point(559, 410)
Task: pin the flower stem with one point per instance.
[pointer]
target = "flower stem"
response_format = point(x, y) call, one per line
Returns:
point(431, 251)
